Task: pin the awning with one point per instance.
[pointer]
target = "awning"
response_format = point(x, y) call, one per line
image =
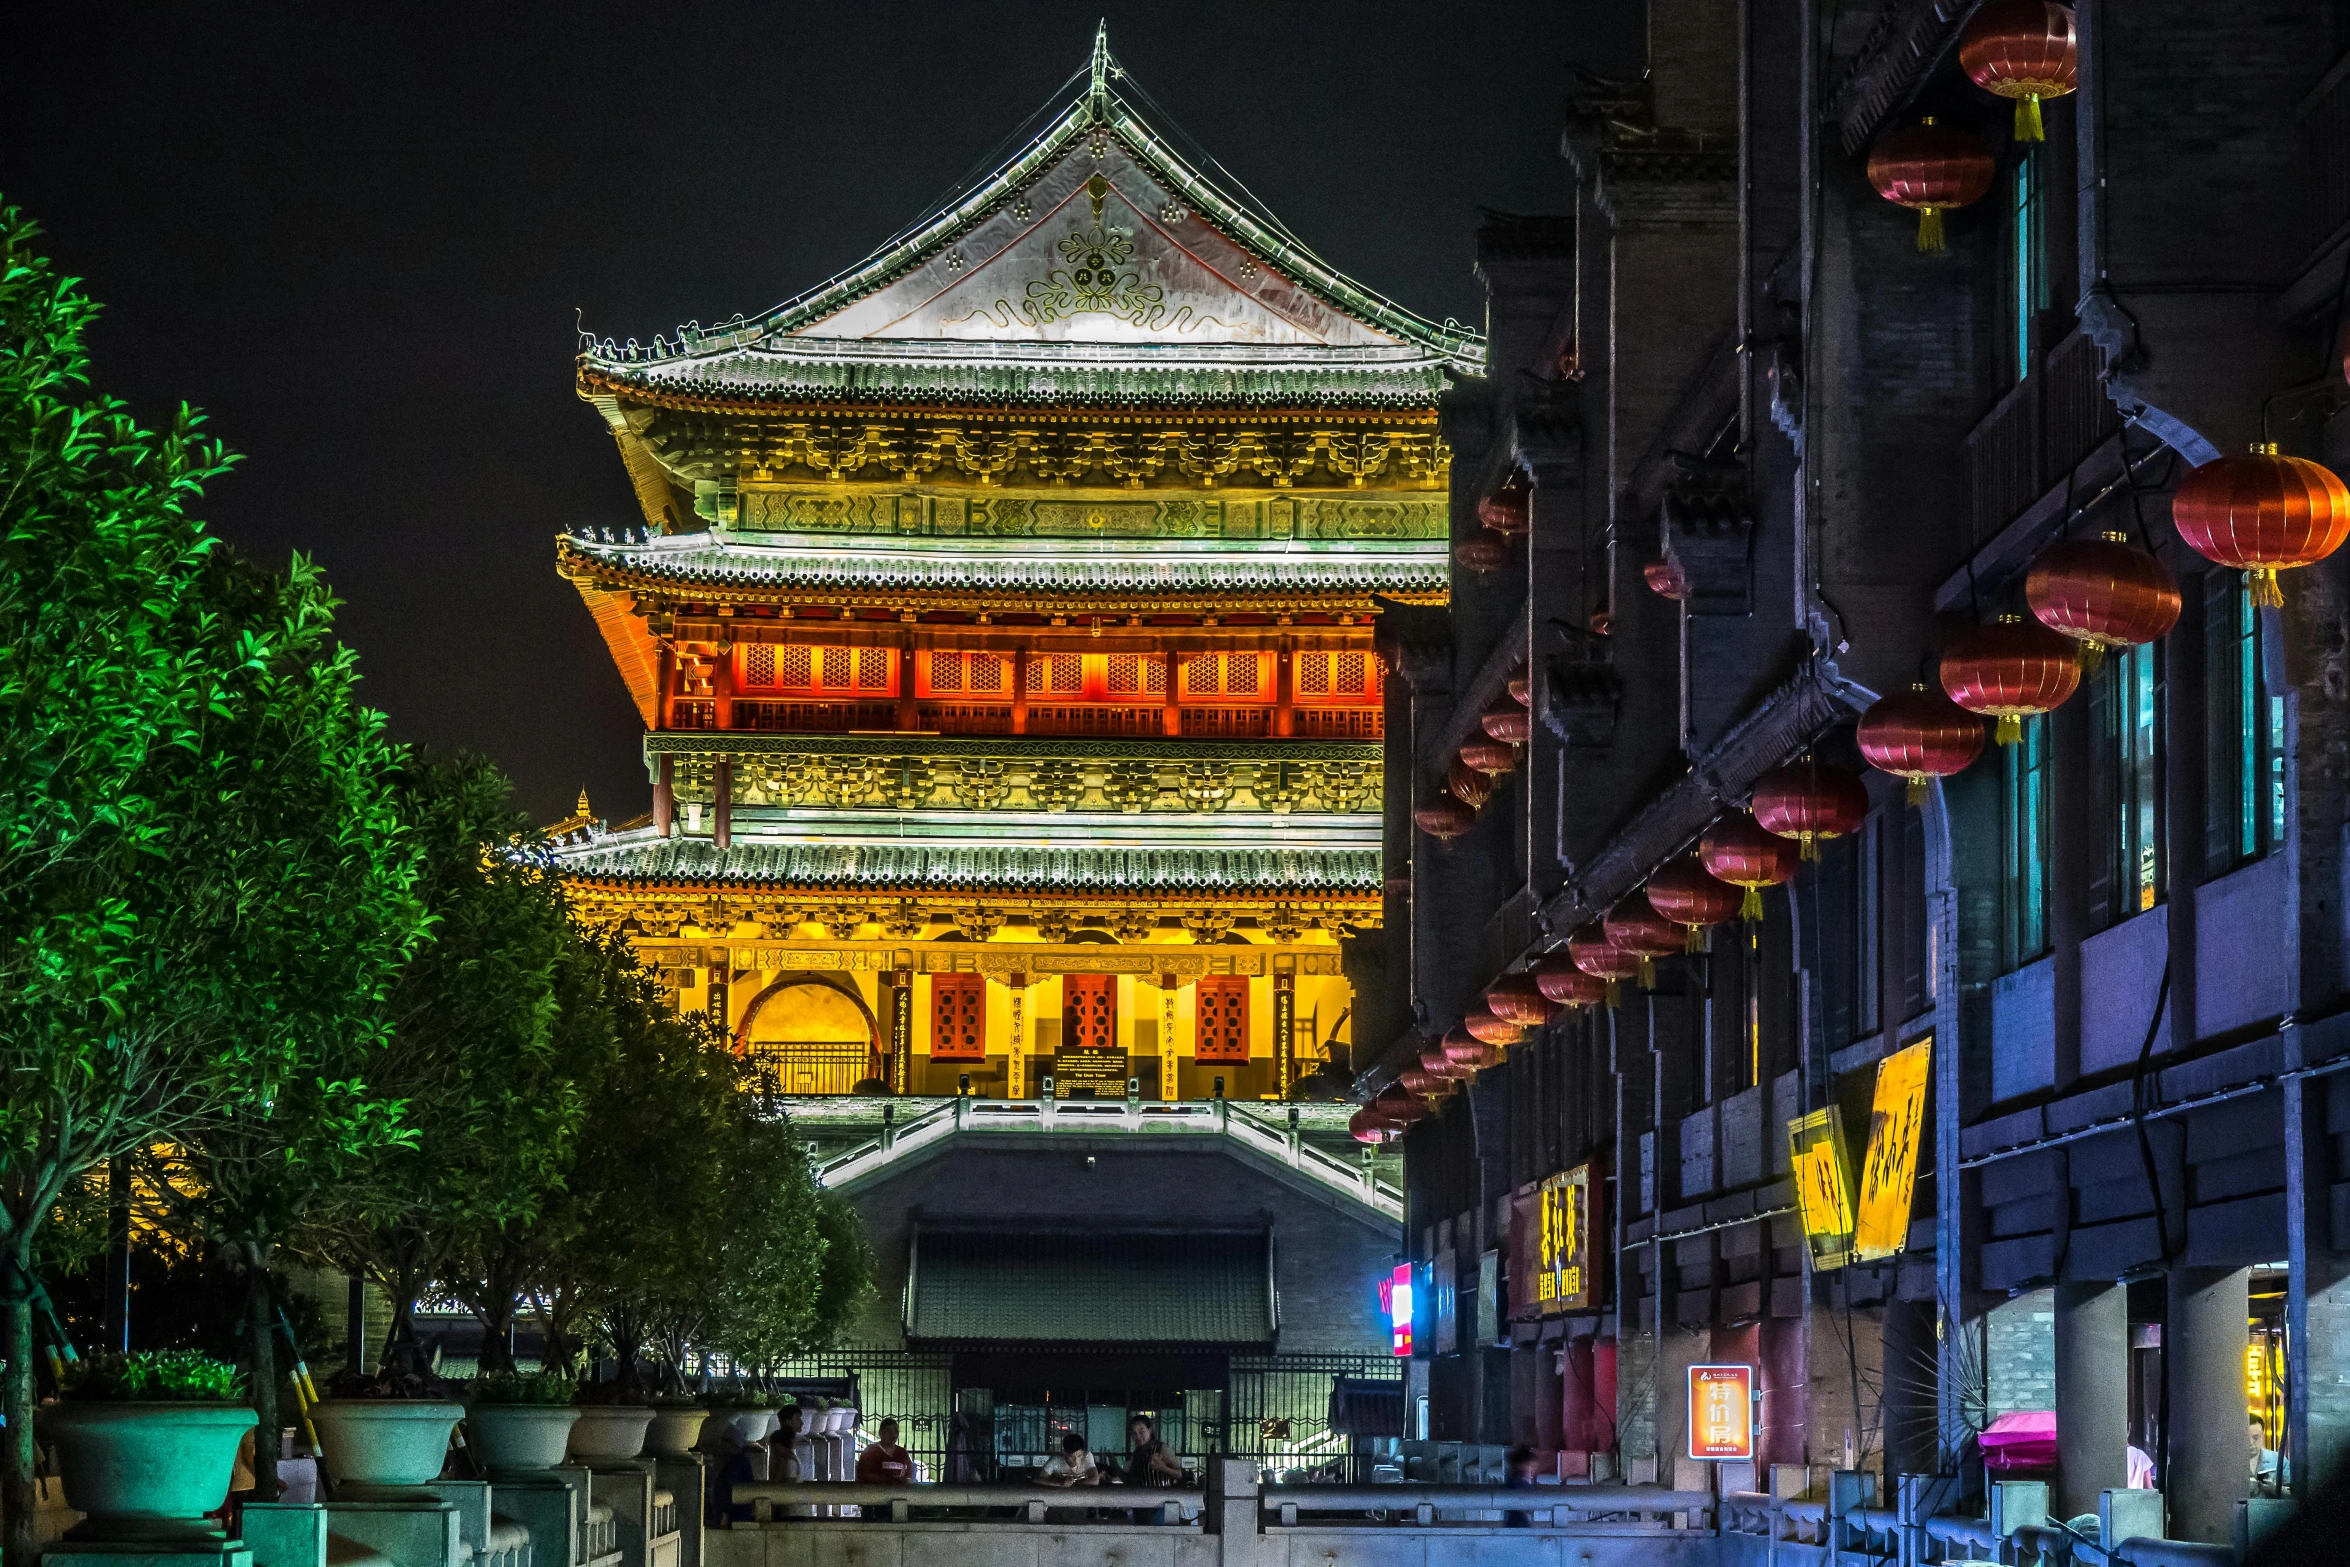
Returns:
point(1114, 1288)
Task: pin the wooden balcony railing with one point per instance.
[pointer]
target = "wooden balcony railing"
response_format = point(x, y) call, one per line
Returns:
point(814, 717)
point(1341, 723)
point(1096, 719)
point(2052, 419)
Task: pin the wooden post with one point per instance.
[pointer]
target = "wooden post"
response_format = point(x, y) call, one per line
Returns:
point(665, 796)
point(664, 684)
point(1020, 691)
point(909, 713)
point(1284, 691)
point(1174, 692)
point(722, 802)
point(722, 686)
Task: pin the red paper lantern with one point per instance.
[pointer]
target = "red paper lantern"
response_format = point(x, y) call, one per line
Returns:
point(1601, 958)
point(1518, 999)
point(1504, 511)
point(1919, 734)
point(1499, 1033)
point(1810, 800)
point(1469, 786)
point(2102, 593)
point(2025, 50)
point(1489, 757)
point(1561, 981)
point(1421, 1084)
point(1481, 552)
point(1737, 850)
point(1508, 722)
point(1445, 818)
point(2262, 514)
point(1522, 687)
point(1463, 1048)
point(1399, 1104)
point(1438, 1063)
point(1693, 897)
point(1664, 579)
point(1932, 168)
point(1368, 1128)
point(2011, 670)
point(1634, 926)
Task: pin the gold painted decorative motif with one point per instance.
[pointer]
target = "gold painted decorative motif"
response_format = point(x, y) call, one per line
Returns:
point(1013, 783)
point(759, 451)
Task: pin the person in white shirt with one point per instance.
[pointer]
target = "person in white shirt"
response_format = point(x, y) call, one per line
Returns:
point(1071, 1466)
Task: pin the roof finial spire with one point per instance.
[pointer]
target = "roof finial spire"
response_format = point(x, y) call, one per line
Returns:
point(1098, 96)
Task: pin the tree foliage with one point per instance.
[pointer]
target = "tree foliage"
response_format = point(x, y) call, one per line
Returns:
point(201, 878)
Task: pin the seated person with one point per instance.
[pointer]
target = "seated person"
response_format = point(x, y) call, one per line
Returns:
point(884, 1462)
point(1071, 1466)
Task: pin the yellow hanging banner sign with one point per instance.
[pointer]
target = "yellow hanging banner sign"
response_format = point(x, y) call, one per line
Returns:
point(1889, 1177)
point(1823, 1186)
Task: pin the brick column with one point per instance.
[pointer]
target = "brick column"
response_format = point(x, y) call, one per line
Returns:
point(2092, 1394)
point(2203, 1360)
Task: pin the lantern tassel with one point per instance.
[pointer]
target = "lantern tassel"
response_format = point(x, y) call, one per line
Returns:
point(1611, 993)
point(1750, 906)
point(2092, 654)
point(1696, 941)
point(2028, 125)
point(1917, 790)
point(2010, 729)
point(1807, 846)
point(2267, 592)
point(1647, 972)
point(1930, 231)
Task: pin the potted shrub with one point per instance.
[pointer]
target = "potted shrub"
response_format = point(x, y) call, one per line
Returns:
point(677, 1423)
point(384, 1436)
point(520, 1422)
point(146, 1443)
point(744, 1412)
point(612, 1425)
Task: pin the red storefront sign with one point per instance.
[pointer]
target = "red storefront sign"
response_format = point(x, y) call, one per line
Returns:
point(1721, 1413)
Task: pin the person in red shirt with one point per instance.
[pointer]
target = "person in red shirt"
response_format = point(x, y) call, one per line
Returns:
point(884, 1462)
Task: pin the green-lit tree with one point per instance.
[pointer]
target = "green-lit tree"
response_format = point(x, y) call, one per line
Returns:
point(472, 1055)
point(162, 889)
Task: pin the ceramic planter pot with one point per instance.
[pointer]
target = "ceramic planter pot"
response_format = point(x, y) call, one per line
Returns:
point(518, 1439)
point(674, 1431)
point(746, 1426)
point(382, 1449)
point(609, 1433)
point(145, 1471)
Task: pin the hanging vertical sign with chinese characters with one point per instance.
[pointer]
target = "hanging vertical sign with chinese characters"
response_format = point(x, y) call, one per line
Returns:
point(1823, 1185)
point(901, 1031)
point(1016, 1042)
point(1888, 1178)
point(1284, 1032)
point(1553, 1269)
point(1170, 993)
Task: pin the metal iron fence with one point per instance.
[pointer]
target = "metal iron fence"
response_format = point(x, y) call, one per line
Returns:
point(1302, 1416)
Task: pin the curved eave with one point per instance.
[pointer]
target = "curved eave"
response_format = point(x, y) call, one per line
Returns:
point(716, 589)
point(1052, 408)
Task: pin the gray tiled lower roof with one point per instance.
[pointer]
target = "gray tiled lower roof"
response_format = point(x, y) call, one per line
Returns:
point(641, 856)
point(1091, 1288)
point(1077, 567)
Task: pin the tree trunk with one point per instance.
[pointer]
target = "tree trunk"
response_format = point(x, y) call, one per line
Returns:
point(497, 1339)
point(19, 1546)
point(261, 1354)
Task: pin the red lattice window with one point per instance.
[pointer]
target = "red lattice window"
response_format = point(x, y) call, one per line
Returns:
point(958, 1017)
point(1247, 677)
point(1338, 677)
point(826, 670)
point(946, 671)
point(1222, 1019)
point(1135, 674)
point(1089, 1012)
point(1063, 674)
point(989, 673)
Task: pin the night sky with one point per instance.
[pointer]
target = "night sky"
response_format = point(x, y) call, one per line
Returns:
point(358, 240)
